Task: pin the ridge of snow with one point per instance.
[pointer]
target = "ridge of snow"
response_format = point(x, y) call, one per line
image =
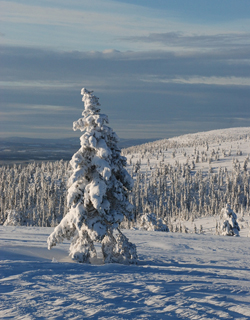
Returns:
point(200, 137)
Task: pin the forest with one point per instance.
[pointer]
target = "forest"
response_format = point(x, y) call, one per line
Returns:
point(175, 178)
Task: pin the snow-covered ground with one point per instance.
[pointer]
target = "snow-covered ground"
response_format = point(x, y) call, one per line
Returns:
point(179, 276)
point(208, 224)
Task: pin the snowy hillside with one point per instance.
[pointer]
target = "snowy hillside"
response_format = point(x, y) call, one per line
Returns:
point(227, 144)
point(185, 178)
point(179, 276)
point(180, 180)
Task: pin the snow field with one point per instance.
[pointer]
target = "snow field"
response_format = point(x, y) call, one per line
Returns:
point(179, 276)
point(235, 142)
point(209, 224)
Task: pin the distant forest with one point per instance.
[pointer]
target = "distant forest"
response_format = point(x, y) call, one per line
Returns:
point(37, 191)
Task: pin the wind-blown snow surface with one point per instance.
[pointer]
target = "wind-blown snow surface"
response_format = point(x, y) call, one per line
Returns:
point(179, 276)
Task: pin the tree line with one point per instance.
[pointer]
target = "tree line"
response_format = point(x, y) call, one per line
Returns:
point(37, 191)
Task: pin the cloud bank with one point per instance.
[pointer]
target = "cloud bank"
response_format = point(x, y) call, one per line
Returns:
point(160, 68)
point(155, 93)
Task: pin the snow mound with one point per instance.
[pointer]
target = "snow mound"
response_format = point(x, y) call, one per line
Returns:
point(149, 222)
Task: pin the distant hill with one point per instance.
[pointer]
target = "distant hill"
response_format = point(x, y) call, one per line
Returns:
point(21, 149)
point(219, 136)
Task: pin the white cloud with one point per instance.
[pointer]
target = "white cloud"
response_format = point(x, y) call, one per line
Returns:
point(100, 16)
point(197, 40)
point(14, 109)
point(36, 84)
point(91, 25)
point(223, 81)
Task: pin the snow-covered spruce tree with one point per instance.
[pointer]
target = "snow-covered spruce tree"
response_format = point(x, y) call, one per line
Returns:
point(97, 192)
point(230, 225)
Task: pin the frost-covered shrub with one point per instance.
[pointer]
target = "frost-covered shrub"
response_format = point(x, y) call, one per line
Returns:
point(13, 218)
point(149, 221)
point(118, 249)
point(230, 225)
point(98, 191)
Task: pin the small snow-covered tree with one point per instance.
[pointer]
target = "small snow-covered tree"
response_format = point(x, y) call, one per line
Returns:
point(230, 225)
point(149, 221)
point(13, 218)
point(97, 192)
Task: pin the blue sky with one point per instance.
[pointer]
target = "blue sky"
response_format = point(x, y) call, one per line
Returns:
point(160, 68)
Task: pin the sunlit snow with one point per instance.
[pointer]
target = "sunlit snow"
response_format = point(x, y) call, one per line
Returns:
point(178, 276)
